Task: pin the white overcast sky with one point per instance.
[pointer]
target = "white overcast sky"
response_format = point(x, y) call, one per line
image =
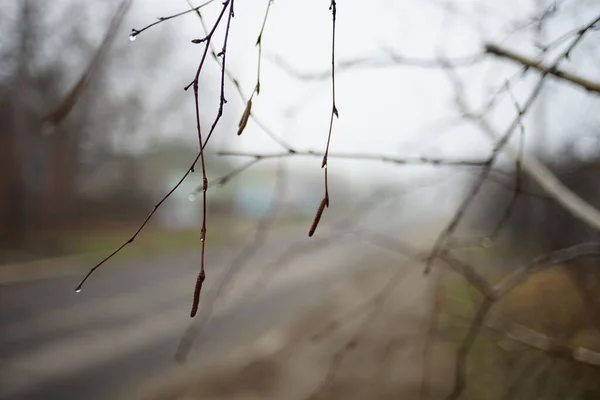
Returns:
point(393, 110)
point(398, 111)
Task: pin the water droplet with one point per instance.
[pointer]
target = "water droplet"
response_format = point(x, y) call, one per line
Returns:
point(192, 197)
point(78, 290)
point(133, 35)
point(486, 242)
point(201, 239)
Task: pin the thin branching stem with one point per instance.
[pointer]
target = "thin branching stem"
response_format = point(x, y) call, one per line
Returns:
point(269, 132)
point(460, 375)
point(191, 168)
point(391, 60)
point(360, 156)
point(334, 113)
point(144, 223)
point(376, 306)
point(577, 80)
point(259, 44)
point(136, 32)
point(458, 216)
point(228, 5)
point(431, 328)
point(518, 181)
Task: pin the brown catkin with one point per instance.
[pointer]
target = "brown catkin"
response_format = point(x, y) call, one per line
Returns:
point(197, 289)
point(320, 210)
point(245, 117)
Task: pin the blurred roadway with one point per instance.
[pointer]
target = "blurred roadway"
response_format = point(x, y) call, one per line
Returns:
point(126, 324)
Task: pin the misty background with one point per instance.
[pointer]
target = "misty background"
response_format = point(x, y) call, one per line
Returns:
point(72, 193)
point(131, 135)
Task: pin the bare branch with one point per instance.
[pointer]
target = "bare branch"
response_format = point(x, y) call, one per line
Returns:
point(259, 44)
point(135, 32)
point(582, 250)
point(503, 141)
point(141, 227)
point(460, 374)
point(392, 60)
point(361, 156)
point(518, 181)
point(432, 327)
point(243, 256)
point(202, 274)
point(66, 104)
point(377, 303)
point(529, 63)
point(199, 156)
point(541, 342)
point(470, 274)
point(547, 180)
point(236, 83)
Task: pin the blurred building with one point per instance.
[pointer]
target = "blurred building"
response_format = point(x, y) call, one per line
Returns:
point(298, 194)
point(163, 168)
point(37, 171)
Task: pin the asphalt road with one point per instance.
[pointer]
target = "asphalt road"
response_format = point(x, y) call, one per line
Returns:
point(127, 323)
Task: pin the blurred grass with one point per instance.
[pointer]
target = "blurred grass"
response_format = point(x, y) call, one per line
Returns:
point(150, 241)
point(220, 231)
point(71, 251)
point(147, 243)
point(548, 302)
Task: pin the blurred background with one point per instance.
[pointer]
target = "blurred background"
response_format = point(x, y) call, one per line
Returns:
point(73, 191)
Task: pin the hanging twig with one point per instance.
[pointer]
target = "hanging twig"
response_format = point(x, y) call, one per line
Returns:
point(334, 113)
point(202, 144)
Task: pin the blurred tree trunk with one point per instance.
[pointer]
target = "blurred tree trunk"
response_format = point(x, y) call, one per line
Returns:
point(16, 217)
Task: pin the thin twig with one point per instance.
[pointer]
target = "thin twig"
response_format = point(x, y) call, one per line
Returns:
point(229, 176)
point(359, 156)
point(243, 256)
point(529, 63)
point(541, 342)
point(458, 216)
point(431, 329)
point(245, 100)
point(460, 375)
point(258, 157)
point(344, 226)
point(591, 249)
point(377, 305)
point(518, 181)
point(582, 250)
point(259, 44)
point(392, 60)
point(136, 32)
point(529, 371)
point(248, 109)
point(173, 189)
point(334, 113)
point(202, 273)
point(469, 273)
point(491, 295)
point(136, 233)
